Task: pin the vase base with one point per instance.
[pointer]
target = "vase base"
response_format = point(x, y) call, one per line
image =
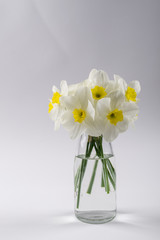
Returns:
point(95, 217)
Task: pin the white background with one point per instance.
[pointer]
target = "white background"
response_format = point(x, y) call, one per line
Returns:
point(41, 43)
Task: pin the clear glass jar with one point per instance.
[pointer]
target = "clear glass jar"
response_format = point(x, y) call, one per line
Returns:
point(94, 180)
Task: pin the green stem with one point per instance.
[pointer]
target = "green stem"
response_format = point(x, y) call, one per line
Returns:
point(80, 181)
point(102, 180)
point(112, 181)
point(107, 187)
point(111, 168)
point(76, 179)
point(83, 166)
point(105, 174)
point(92, 178)
point(99, 153)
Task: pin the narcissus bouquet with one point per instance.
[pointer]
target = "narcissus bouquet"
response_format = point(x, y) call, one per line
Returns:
point(99, 107)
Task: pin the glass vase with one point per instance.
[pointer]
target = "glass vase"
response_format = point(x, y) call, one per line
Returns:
point(94, 180)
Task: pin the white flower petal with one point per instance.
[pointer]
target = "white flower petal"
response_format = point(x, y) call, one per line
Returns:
point(55, 89)
point(77, 130)
point(93, 131)
point(110, 132)
point(70, 102)
point(123, 125)
point(103, 107)
point(120, 83)
point(57, 124)
point(116, 77)
point(82, 97)
point(92, 73)
point(67, 120)
point(130, 110)
point(110, 87)
point(64, 88)
point(101, 78)
point(97, 127)
point(117, 98)
point(136, 85)
point(54, 112)
point(86, 83)
point(90, 110)
point(72, 89)
point(98, 78)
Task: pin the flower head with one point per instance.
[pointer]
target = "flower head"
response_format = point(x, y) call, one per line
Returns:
point(113, 115)
point(79, 114)
point(130, 91)
point(56, 107)
point(99, 84)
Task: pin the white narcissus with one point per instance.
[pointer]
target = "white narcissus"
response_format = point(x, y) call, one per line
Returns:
point(56, 107)
point(96, 106)
point(130, 91)
point(99, 84)
point(113, 115)
point(79, 115)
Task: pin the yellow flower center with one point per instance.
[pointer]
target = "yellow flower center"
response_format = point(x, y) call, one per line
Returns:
point(131, 94)
point(115, 116)
point(50, 107)
point(79, 115)
point(55, 98)
point(98, 92)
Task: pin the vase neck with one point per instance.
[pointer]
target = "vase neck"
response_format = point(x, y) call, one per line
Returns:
point(91, 146)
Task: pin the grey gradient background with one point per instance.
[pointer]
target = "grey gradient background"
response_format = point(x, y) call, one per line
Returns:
point(41, 43)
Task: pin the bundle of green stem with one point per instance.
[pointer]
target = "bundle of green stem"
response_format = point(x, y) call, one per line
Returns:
point(108, 171)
